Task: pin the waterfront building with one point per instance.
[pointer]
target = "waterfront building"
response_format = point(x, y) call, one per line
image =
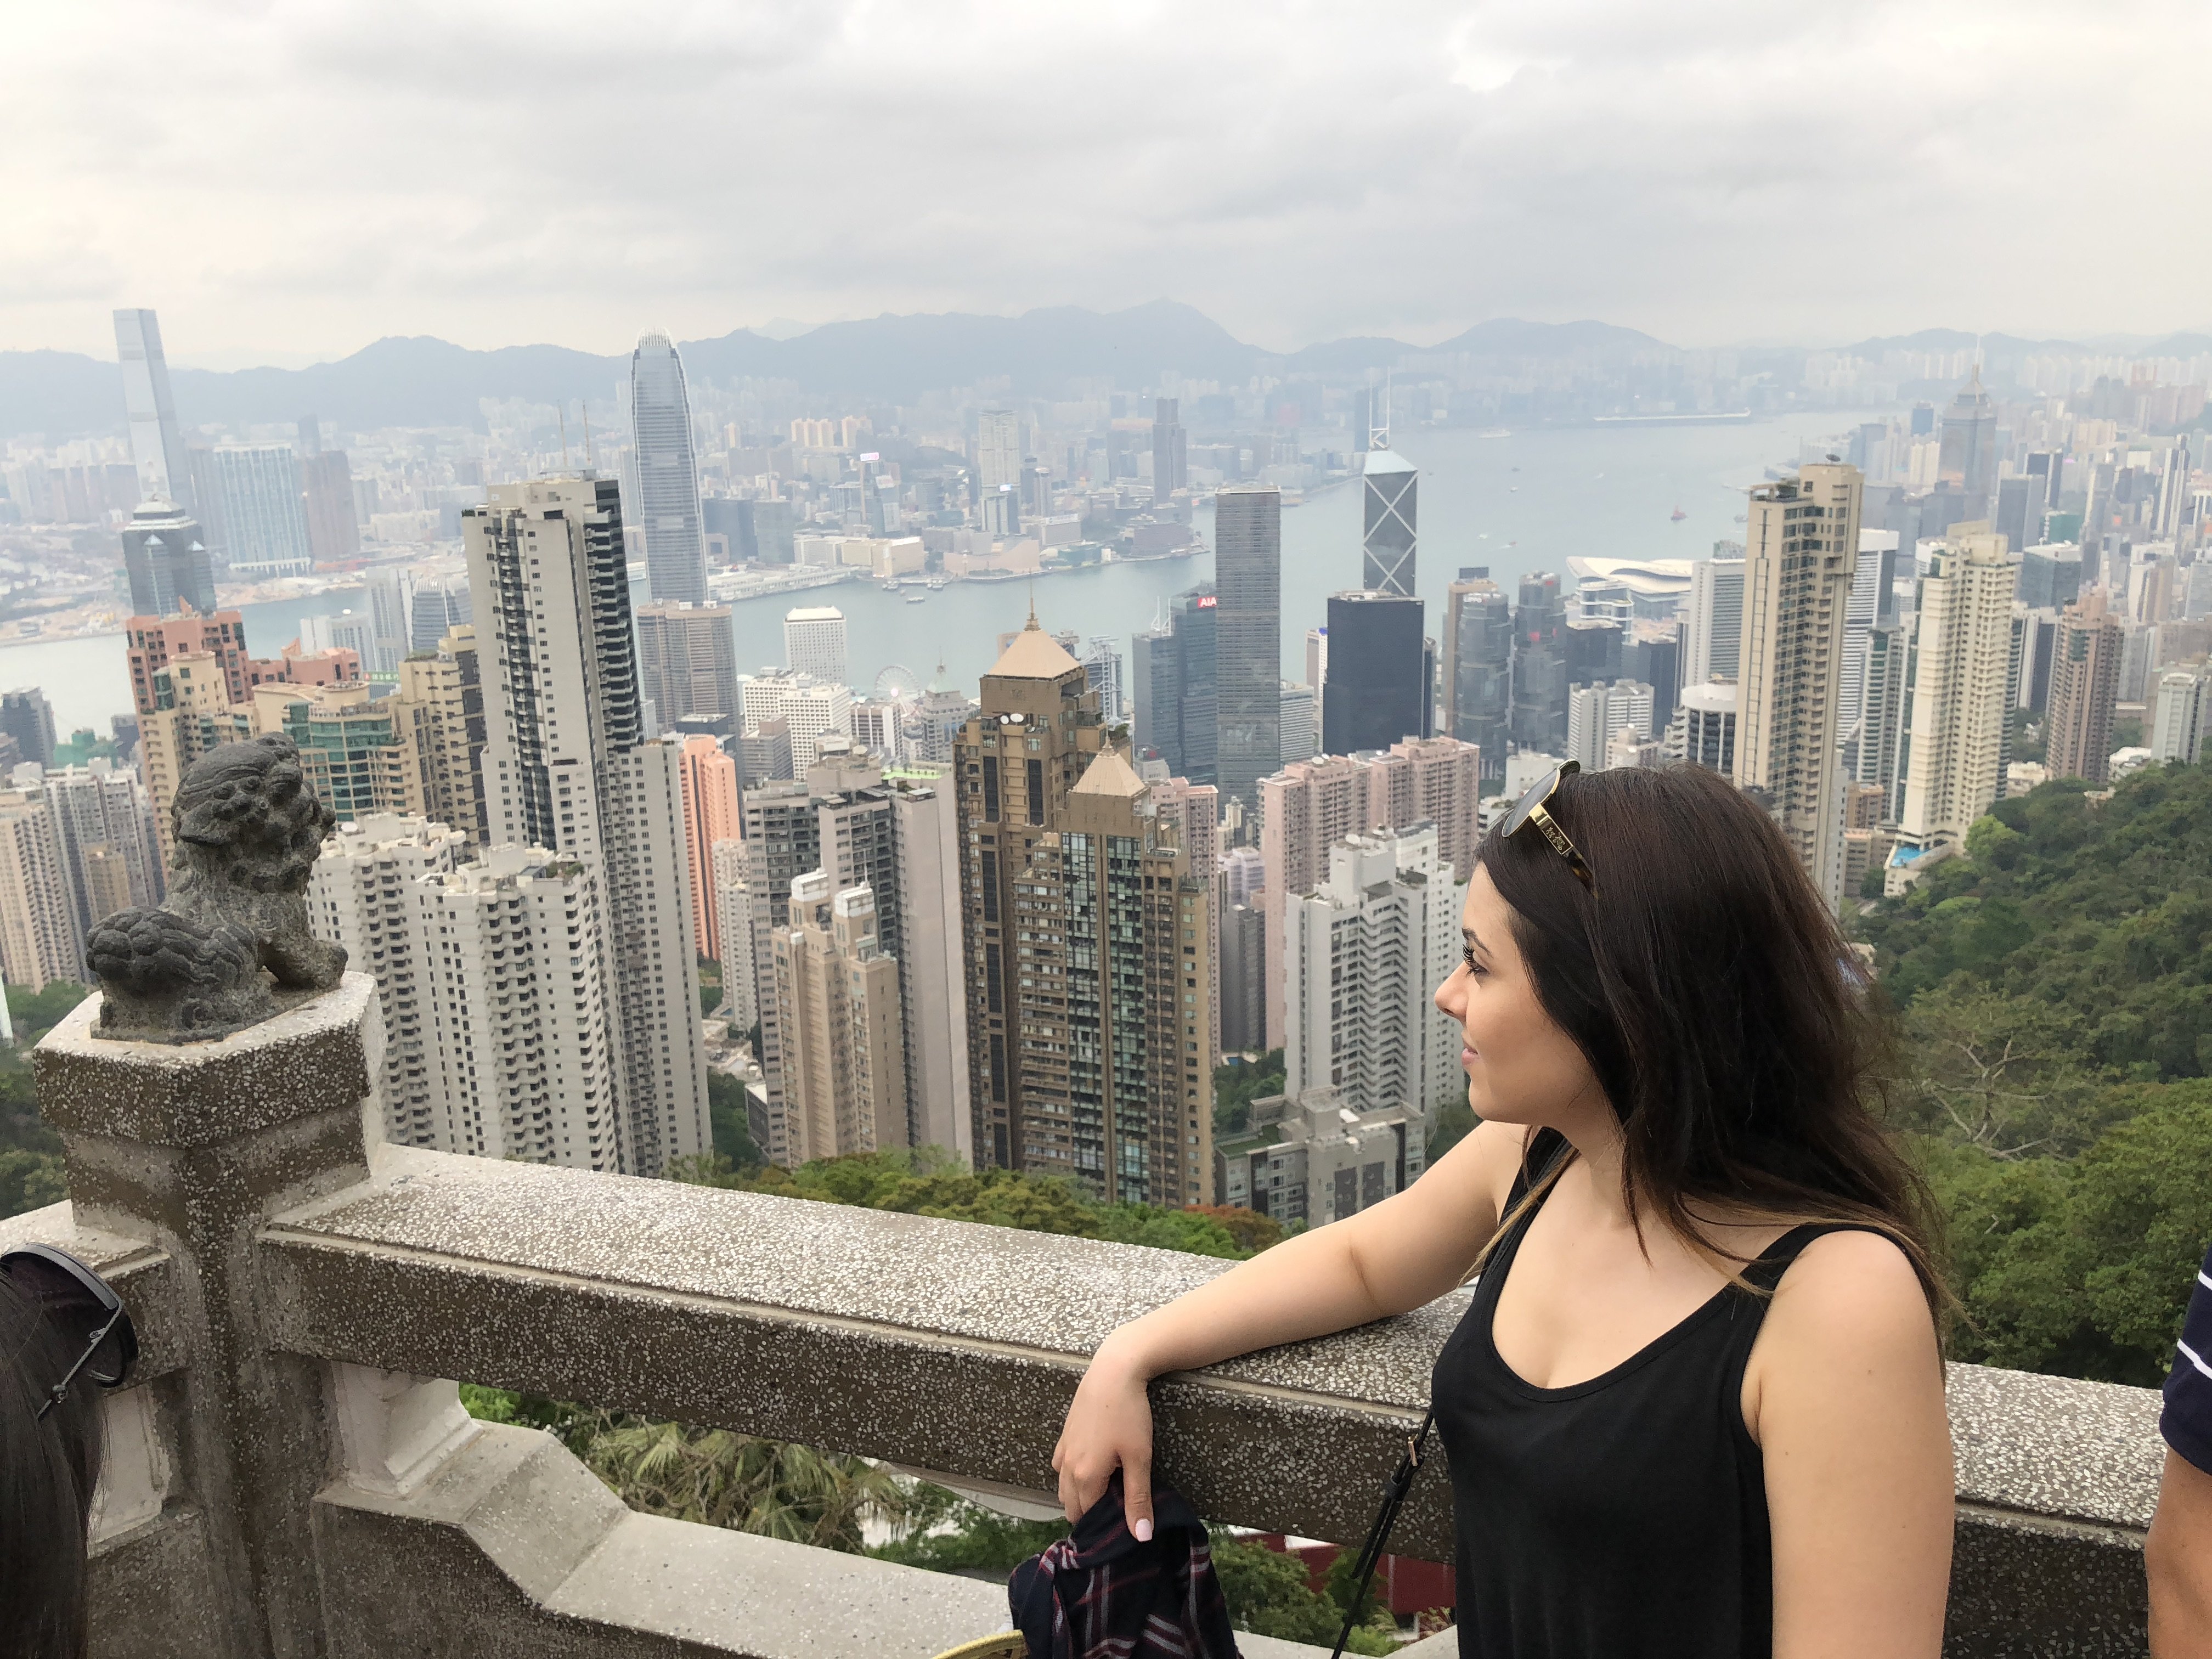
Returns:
point(814, 642)
point(1379, 689)
point(1713, 638)
point(1388, 538)
point(166, 561)
point(264, 521)
point(667, 473)
point(1540, 665)
point(326, 499)
point(157, 444)
point(1170, 466)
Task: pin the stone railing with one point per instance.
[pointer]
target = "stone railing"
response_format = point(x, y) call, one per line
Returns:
point(289, 1476)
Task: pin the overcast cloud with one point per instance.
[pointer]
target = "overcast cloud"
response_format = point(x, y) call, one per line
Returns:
point(284, 180)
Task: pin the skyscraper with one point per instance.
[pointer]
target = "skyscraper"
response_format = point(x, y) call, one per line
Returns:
point(39, 938)
point(837, 1001)
point(2084, 684)
point(1388, 536)
point(157, 444)
point(1176, 672)
point(711, 814)
point(1968, 459)
point(1801, 551)
point(1248, 573)
point(1478, 667)
point(1960, 681)
point(27, 717)
point(264, 521)
point(1713, 644)
point(814, 641)
point(1378, 691)
point(326, 496)
point(1170, 470)
point(1540, 666)
point(998, 471)
point(166, 561)
point(667, 472)
point(567, 768)
point(687, 661)
point(1086, 1055)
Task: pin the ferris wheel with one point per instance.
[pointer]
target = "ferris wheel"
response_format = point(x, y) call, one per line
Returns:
point(897, 684)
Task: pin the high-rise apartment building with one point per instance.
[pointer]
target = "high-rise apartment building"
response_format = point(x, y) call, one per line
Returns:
point(1301, 722)
point(687, 660)
point(1388, 540)
point(733, 932)
point(1086, 929)
point(1712, 644)
point(711, 815)
point(567, 767)
point(1703, 729)
point(40, 941)
point(105, 821)
point(997, 450)
point(837, 1001)
point(1540, 666)
point(1872, 719)
point(1378, 689)
point(390, 595)
point(166, 561)
point(2178, 722)
point(933, 965)
point(1365, 948)
point(813, 713)
point(1596, 712)
point(1961, 672)
point(667, 473)
point(1801, 551)
point(1192, 811)
point(157, 444)
point(2085, 683)
point(326, 498)
point(814, 642)
point(264, 519)
point(1170, 467)
point(1478, 667)
point(1248, 622)
point(439, 713)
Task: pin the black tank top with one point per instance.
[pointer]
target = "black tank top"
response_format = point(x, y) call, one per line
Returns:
point(1623, 1518)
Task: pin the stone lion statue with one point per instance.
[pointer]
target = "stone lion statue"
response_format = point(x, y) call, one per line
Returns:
point(231, 947)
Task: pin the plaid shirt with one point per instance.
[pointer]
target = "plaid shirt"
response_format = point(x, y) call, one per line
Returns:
point(1099, 1594)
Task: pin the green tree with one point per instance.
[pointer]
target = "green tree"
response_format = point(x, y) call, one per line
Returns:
point(1270, 1594)
point(1238, 1083)
point(774, 1487)
point(730, 1123)
point(945, 1532)
point(29, 1181)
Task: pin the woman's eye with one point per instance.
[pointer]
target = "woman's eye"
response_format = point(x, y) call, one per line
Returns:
point(1472, 966)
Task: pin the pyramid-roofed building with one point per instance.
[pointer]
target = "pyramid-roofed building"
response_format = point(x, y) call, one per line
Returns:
point(1033, 655)
point(1110, 775)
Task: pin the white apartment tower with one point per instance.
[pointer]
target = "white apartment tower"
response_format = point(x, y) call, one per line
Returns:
point(1801, 552)
point(1713, 641)
point(733, 925)
point(667, 473)
point(39, 939)
point(567, 768)
point(814, 641)
point(1367, 948)
point(1961, 670)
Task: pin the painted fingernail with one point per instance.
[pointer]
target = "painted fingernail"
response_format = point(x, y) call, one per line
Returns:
point(1144, 1531)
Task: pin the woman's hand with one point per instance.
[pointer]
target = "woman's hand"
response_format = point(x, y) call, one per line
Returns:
point(1109, 1426)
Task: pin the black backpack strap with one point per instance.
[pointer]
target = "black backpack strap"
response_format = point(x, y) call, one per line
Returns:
point(1378, 1536)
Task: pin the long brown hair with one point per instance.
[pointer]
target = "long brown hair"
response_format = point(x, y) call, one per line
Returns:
point(1719, 1007)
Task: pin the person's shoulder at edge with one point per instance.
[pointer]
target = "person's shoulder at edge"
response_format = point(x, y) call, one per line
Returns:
point(2187, 1419)
point(1850, 1310)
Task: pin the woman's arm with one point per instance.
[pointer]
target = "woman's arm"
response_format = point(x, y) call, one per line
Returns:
point(1406, 1251)
point(1845, 1393)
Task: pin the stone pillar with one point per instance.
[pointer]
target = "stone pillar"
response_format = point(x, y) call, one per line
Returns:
point(193, 1147)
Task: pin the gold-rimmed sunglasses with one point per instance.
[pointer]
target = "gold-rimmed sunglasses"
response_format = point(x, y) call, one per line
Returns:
point(1530, 809)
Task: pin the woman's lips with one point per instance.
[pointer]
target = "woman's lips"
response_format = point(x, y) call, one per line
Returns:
point(1466, 1057)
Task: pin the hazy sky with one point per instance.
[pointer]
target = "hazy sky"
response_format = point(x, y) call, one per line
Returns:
point(291, 180)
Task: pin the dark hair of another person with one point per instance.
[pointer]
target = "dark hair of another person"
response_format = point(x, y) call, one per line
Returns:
point(1718, 1005)
point(47, 1472)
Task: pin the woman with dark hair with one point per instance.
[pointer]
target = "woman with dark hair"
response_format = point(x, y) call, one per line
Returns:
point(1696, 1405)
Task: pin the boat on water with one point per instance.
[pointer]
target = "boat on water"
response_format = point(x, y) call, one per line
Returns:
point(889, 587)
point(1677, 515)
point(917, 598)
point(937, 584)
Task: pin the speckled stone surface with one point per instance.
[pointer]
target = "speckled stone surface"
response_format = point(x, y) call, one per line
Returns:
point(141, 1273)
point(2053, 1447)
point(153, 1593)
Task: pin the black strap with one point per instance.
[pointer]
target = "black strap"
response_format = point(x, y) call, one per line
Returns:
point(1378, 1536)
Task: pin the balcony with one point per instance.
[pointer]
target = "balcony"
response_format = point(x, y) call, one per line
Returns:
point(289, 1474)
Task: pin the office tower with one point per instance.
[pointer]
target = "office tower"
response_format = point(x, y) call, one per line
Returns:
point(764, 753)
point(1590, 646)
point(711, 814)
point(1960, 678)
point(433, 612)
point(837, 1002)
point(157, 444)
point(2050, 575)
point(264, 523)
point(350, 630)
point(1366, 948)
point(1801, 552)
point(438, 714)
point(1299, 726)
point(1247, 574)
point(2085, 683)
point(390, 607)
point(733, 932)
point(1704, 732)
point(1540, 666)
point(1388, 538)
point(1085, 1054)
point(2045, 472)
point(105, 821)
point(39, 938)
point(2039, 638)
point(1652, 652)
point(814, 641)
point(2178, 722)
point(326, 496)
point(1478, 667)
point(1713, 639)
point(1176, 670)
point(2012, 517)
point(667, 473)
point(1244, 874)
point(567, 768)
point(27, 717)
point(812, 711)
point(1316, 657)
point(1170, 469)
point(1377, 691)
point(166, 561)
point(1101, 658)
point(1596, 712)
point(688, 658)
point(1872, 602)
point(1969, 455)
point(998, 449)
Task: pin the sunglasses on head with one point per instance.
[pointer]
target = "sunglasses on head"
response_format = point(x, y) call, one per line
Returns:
point(1530, 809)
point(76, 1302)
